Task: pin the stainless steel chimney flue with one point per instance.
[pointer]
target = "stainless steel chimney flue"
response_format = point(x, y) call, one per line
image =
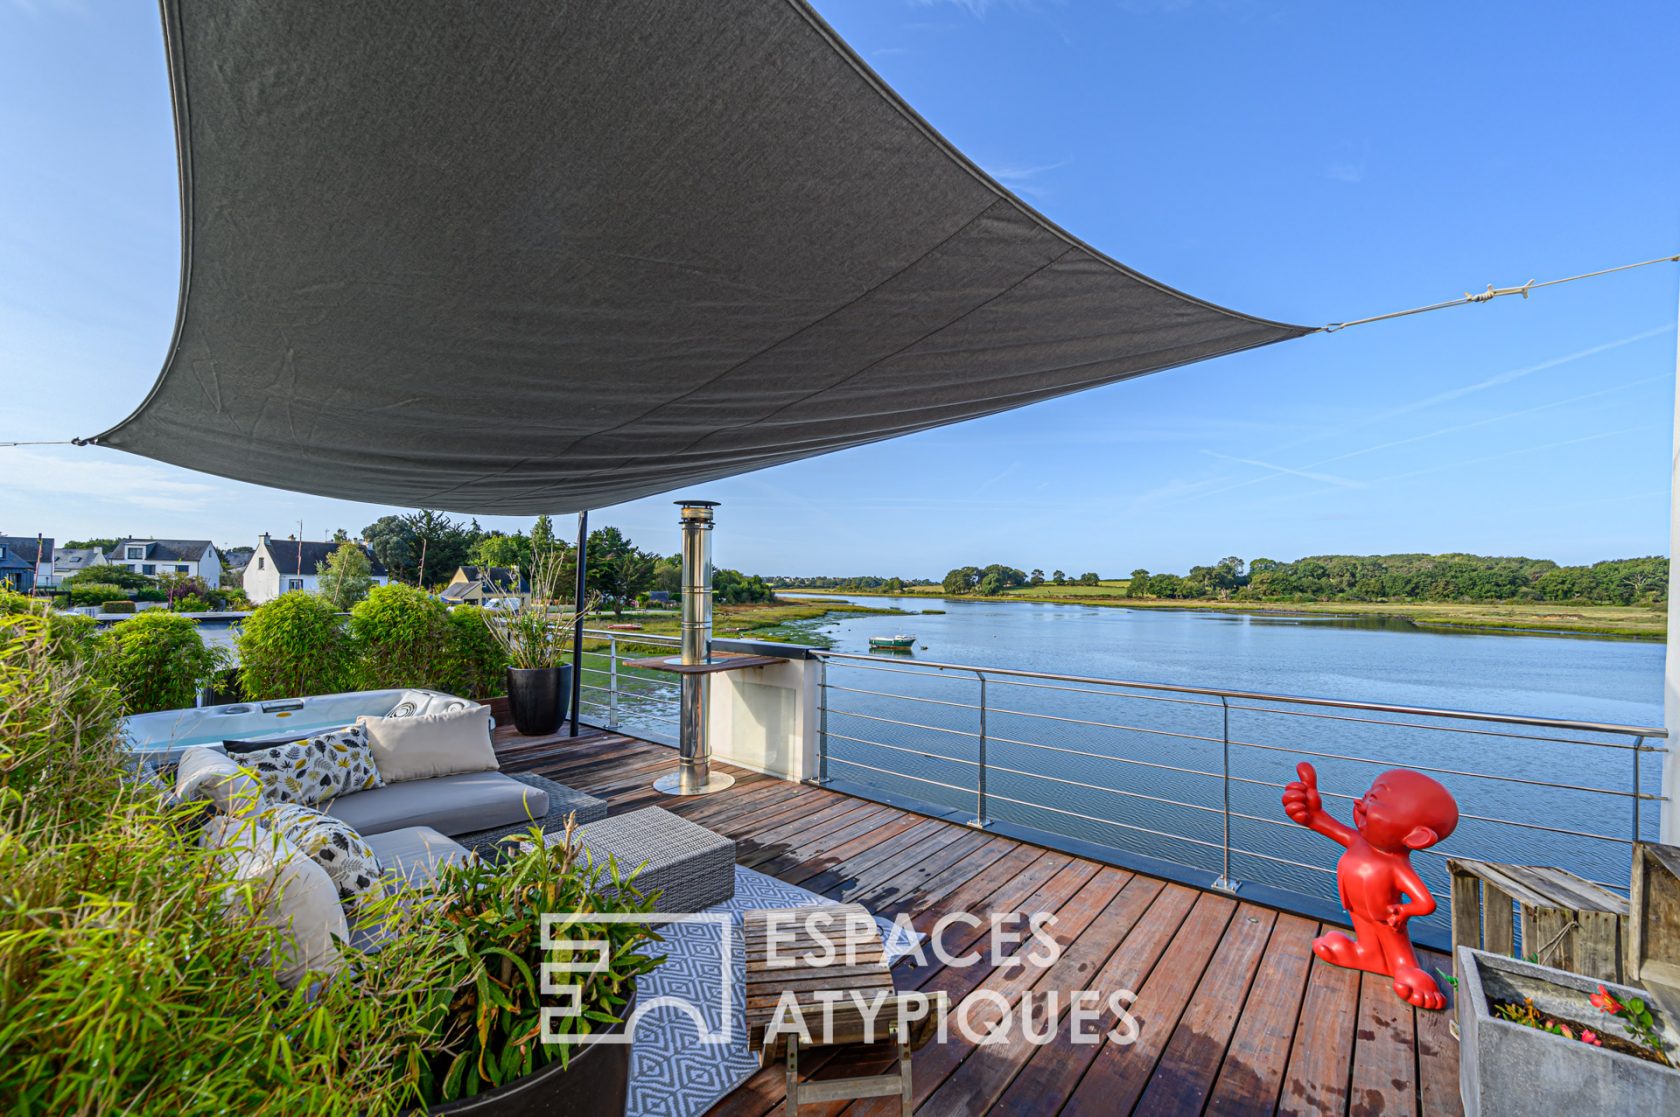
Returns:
point(694, 775)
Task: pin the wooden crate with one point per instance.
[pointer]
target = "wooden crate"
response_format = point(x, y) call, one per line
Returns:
point(1654, 916)
point(1567, 922)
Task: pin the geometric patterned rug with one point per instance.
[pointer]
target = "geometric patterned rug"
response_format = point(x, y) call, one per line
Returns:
point(690, 1041)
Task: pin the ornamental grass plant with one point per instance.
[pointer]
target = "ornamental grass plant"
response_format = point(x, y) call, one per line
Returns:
point(133, 975)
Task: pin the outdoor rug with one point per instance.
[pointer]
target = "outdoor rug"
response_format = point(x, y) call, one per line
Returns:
point(673, 1073)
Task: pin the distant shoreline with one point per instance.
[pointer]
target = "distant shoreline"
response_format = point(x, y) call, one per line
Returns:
point(1627, 622)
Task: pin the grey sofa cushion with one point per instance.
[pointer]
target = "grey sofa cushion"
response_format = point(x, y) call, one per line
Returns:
point(459, 804)
point(415, 853)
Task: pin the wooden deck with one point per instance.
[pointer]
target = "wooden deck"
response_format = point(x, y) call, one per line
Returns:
point(1235, 1015)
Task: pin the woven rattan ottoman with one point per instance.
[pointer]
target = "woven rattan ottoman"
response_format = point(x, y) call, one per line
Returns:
point(689, 866)
point(562, 802)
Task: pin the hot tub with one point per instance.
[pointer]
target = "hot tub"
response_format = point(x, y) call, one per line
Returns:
point(161, 737)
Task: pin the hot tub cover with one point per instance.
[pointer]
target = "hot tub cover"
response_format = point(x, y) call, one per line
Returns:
point(533, 256)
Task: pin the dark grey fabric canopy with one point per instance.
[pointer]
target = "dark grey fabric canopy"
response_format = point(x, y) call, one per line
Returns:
point(533, 256)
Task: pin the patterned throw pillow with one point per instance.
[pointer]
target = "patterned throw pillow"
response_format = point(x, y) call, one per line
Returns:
point(335, 846)
point(316, 769)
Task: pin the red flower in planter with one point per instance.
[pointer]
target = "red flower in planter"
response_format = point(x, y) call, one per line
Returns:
point(1604, 1002)
point(1589, 1036)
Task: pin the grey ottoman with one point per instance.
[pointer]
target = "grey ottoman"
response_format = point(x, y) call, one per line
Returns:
point(562, 802)
point(689, 866)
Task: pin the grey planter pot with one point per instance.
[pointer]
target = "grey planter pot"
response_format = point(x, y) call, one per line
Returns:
point(1505, 1068)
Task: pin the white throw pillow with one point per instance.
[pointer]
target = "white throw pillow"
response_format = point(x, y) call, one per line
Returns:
point(334, 845)
point(286, 890)
point(428, 745)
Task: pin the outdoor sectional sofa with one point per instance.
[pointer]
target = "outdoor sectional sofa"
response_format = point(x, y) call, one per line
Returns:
point(413, 824)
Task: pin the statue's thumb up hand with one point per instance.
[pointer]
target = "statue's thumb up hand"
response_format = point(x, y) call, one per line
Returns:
point(1300, 798)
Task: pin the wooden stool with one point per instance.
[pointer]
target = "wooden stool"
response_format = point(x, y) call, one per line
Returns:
point(858, 965)
point(1567, 922)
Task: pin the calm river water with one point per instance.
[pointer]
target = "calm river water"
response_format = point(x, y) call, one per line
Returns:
point(1099, 767)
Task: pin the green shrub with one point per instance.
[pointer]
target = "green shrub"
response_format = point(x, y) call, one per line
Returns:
point(129, 984)
point(401, 636)
point(158, 661)
point(191, 603)
point(150, 593)
point(476, 666)
point(117, 607)
point(294, 646)
point(133, 977)
point(94, 593)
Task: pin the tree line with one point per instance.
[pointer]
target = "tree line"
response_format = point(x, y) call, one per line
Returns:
point(868, 583)
point(1413, 577)
point(425, 548)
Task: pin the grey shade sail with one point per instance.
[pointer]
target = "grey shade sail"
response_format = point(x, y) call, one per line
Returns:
point(531, 256)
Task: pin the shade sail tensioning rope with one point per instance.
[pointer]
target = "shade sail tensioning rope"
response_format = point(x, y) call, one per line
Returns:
point(538, 256)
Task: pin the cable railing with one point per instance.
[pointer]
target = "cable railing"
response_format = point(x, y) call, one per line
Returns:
point(616, 696)
point(1192, 776)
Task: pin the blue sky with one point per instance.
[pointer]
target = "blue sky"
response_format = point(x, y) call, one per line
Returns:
point(1300, 161)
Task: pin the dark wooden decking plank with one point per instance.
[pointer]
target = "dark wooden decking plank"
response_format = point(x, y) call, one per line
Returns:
point(953, 1075)
point(1150, 913)
point(841, 865)
point(1251, 1078)
point(852, 836)
point(1015, 874)
point(901, 884)
point(935, 883)
point(1322, 1059)
point(1185, 1074)
point(1384, 1082)
point(795, 840)
point(1120, 1072)
point(766, 1089)
point(871, 870)
point(1437, 1050)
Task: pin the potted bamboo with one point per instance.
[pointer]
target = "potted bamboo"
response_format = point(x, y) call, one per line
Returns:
point(481, 1050)
point(1534, 1039)
point(535, 631)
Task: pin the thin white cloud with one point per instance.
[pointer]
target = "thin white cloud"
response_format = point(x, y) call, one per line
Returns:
point(1310, 475)
point(980, 8)
point(94, 475)
point(1025, 180)
point(1346, 172)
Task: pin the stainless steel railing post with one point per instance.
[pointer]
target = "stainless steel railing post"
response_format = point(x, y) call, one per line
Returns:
point(612, 682)
point(1225, 883)
point(980, 772)
point(1638, 747)
point(822, 721)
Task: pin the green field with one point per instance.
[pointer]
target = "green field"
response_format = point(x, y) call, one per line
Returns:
point(1648, 622)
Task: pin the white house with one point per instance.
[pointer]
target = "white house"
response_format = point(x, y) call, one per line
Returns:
point(72, 560)
point(280, 566)
point(155, 557)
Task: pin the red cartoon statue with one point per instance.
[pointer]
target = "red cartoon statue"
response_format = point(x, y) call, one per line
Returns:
point(1379, 888)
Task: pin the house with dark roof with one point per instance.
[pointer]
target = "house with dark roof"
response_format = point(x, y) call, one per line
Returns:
point(25, 562)
point(280, 566)
point(156, 557)
point(72, 560)
point(472, 585)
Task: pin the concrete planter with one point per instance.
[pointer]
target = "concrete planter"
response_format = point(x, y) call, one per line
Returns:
point(1505, 1068)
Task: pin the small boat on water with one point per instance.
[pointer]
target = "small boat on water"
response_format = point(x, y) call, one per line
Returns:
point(900, 643)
